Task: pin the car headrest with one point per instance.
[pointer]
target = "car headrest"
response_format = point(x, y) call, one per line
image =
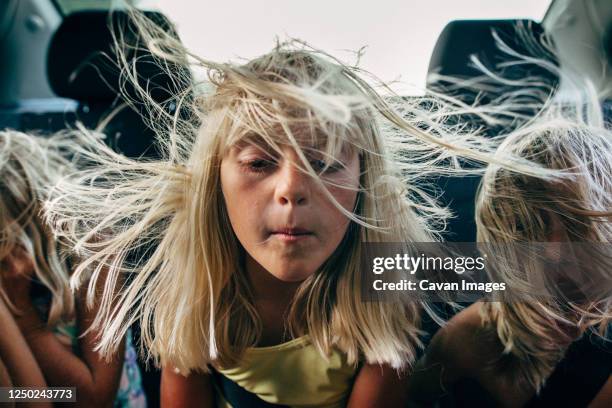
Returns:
point(463, 38)
point(452, 57)
point(81, 62)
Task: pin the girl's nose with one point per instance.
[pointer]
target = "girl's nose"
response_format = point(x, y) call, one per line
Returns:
point(293, 185)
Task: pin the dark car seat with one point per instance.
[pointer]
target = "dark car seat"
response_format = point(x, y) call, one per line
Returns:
point(82, 67)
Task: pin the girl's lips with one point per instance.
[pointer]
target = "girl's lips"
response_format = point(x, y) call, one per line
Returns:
point(291, 237)
point(291, 231)
point(291, 234)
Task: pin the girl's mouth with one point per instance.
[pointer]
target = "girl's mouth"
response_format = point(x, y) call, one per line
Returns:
point(291, 234)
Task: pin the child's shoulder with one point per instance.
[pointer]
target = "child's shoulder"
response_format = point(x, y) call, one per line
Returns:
point(463, 346)
point(467, 350)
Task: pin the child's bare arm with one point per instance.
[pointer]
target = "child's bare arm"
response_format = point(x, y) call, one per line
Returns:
point(379, 386)
point(450, 356)
point(96, 380)
point(604, 396)
point(18, 367)
point(5, 378)
point(5, 381)
point(180, 391)
point(444, 362)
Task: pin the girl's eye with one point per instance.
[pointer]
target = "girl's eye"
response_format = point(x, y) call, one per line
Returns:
point(257, 165)
point(320, 165)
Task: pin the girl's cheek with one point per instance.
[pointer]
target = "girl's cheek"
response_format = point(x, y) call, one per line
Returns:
point(350, 180)
point(235, 180)
point(344, 196)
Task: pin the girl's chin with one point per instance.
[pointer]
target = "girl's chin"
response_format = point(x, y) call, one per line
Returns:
point(292, 276)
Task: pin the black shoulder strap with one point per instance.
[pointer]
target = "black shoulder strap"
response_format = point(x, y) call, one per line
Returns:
point(579, 376)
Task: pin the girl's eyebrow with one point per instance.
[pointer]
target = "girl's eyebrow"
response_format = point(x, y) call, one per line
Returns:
point(345, 150)
point(257, 141)
point(248, 140)
point(253, 143)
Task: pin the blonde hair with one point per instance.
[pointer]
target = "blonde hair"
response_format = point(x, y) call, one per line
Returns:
point(29, 166)
point(538, 324)
point(166, 219)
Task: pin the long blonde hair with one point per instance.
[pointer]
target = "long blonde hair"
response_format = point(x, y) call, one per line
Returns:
point(29, 166)
point(166, 219)
point(512, 209)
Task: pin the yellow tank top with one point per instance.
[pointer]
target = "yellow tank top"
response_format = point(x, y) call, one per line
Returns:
point(294, 374)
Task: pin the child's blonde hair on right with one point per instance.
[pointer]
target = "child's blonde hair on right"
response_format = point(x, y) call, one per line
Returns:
point(517, 209)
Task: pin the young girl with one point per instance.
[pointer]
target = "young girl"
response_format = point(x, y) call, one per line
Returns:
point(559, 288)
point(46, 318)
point(248, 238)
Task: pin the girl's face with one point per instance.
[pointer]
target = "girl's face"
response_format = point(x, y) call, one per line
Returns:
point(282, 218)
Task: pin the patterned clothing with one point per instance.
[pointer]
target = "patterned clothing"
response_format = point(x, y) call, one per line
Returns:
point(130, 393)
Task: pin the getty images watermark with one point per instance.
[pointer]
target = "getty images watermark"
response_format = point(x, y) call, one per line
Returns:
point(466, 272)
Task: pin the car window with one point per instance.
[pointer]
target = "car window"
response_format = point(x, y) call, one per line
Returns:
point(399, 35)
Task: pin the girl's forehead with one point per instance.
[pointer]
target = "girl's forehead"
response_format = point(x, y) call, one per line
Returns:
point(306, 139)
